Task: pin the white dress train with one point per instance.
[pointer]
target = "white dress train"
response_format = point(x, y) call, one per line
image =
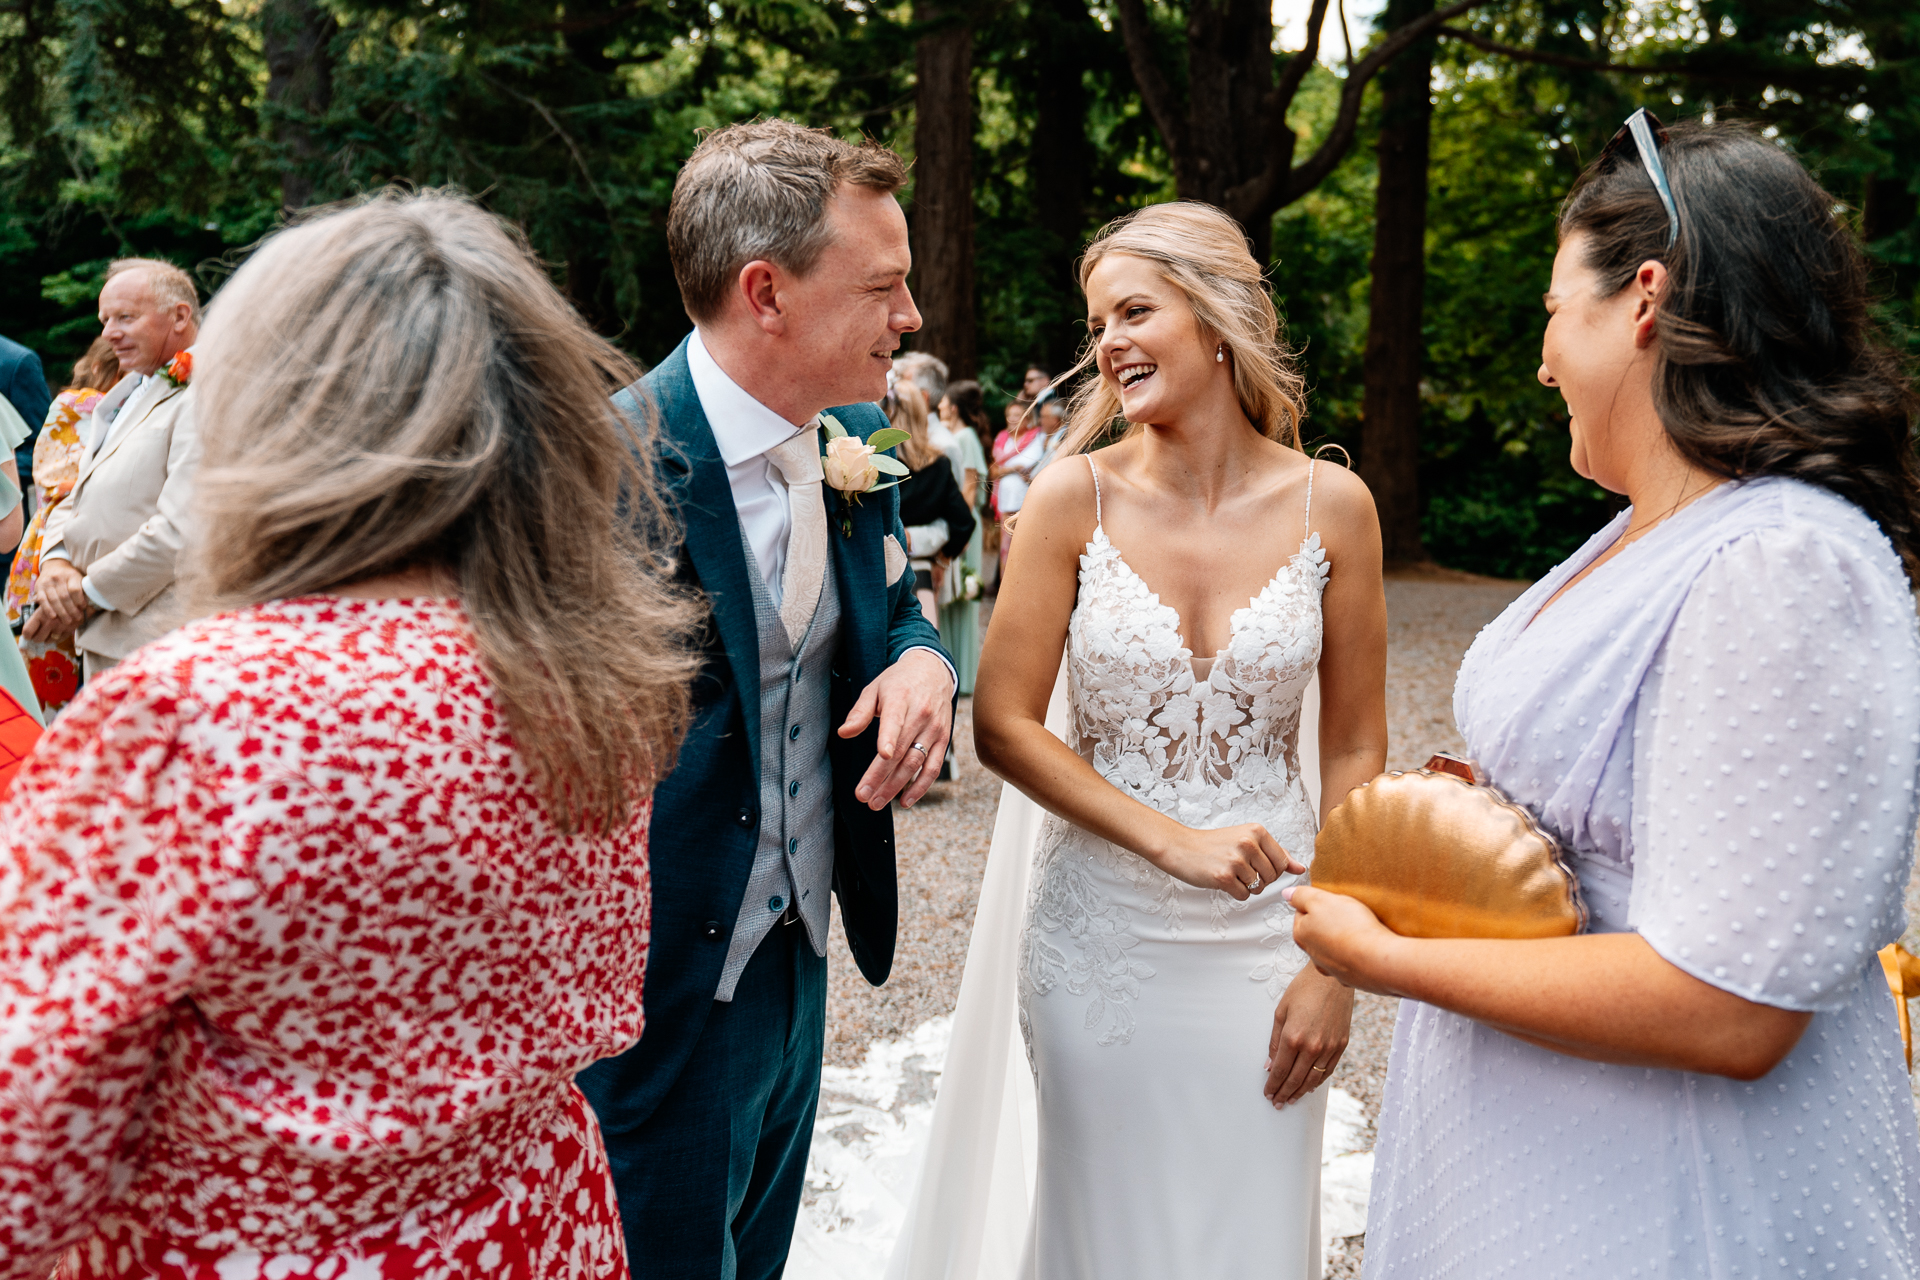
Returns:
point(1124, 1133)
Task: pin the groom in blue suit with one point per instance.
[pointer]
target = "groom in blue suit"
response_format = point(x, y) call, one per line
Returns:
point(823, 697)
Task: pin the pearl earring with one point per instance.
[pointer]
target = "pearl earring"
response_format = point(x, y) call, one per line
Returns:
point(1220, 354)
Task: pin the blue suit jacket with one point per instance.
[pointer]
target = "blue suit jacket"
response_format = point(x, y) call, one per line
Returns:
point(706, 813)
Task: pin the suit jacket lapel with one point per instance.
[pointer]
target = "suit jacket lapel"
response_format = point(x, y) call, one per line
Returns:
point(859, 563)
point(121, 427)
point(690, 462)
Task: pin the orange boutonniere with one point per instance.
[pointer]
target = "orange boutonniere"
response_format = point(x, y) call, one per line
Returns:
point(179, 370)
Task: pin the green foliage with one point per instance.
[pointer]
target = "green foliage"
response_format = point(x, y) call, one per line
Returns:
point(142, 126)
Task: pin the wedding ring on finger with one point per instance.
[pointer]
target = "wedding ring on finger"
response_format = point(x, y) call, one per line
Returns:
point(921, 748)
point(1258, 880)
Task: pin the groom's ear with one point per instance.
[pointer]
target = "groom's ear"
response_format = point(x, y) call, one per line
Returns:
point(759, 288)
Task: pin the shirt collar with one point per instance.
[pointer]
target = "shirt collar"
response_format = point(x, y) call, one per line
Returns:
point(743, 428)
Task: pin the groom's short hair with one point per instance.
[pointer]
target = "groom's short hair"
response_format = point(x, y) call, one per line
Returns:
point(760, 191)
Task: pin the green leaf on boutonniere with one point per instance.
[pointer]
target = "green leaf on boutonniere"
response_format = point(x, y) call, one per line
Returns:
point(892, 466)
point(832, 424)
point(882, 488)
point(887, 437)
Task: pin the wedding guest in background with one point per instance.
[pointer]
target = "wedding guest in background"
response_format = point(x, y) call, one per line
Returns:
point(1015, 456)
point(1053, 429)
point(964, 418)
point(1037, 385)
point(109, 552)
point(13, 668)
point(924, 370)
point(1715, 707)
point(936, 516)
point(23, 384)
point(315, 906)
point(53, 663)
point(12, 427)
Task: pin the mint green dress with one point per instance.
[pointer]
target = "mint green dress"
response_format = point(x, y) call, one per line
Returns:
point(960, 620)
point(13, 668)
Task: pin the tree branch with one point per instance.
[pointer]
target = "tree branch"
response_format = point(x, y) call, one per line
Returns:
point(1518, 54)
point(1136, 30)
point(1304, 177)
point(1300, 63)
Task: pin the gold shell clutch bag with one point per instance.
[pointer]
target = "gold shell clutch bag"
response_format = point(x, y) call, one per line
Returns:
point(1436, 854)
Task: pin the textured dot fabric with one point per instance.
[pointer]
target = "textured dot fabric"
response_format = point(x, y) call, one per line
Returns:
point(295, 972)
point(1722, 727)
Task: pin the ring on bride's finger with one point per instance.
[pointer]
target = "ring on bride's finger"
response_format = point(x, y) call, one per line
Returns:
point(1316, 1068)
point(1255, 886)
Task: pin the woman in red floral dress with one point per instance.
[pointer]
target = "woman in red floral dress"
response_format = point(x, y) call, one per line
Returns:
point(310, 910)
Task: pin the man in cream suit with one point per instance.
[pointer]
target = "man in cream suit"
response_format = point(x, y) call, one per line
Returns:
point(107, 558)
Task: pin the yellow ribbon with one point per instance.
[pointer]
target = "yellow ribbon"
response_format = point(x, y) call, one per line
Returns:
point(1902, 968)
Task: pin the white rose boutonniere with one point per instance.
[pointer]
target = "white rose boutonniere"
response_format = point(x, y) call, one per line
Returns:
point(853, 466)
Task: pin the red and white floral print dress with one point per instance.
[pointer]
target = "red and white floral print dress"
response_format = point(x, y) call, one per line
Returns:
point(295, 972)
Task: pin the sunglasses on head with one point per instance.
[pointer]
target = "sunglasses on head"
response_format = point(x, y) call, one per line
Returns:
point(1641, 127)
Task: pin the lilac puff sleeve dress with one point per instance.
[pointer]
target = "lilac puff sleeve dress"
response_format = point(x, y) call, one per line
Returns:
point(1722, 727)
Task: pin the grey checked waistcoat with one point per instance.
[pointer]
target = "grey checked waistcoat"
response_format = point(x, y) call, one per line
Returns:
point(793, 861)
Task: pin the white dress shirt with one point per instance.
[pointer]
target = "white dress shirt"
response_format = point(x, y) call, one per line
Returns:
point(744, 429)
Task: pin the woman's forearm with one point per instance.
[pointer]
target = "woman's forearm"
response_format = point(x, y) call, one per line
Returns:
point(1603, 997)
point(1059, 780)
point(1342, 770)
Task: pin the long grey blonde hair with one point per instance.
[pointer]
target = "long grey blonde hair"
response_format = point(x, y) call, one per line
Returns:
point(396, 384)
point(1203, 253)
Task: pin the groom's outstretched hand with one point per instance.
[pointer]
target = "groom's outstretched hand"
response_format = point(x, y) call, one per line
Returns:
point(913, 700)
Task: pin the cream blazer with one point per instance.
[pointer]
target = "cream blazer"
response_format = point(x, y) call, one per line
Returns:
point(126, 519)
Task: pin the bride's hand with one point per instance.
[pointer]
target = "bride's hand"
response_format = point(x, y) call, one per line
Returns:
point(1242, 860)
point(1309, 1034)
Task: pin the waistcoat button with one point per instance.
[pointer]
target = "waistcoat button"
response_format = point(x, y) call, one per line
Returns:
point(793, 788)
point(793, 846)
point(793, 734)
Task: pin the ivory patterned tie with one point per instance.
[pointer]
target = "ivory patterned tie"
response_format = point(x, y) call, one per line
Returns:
point(798, 461)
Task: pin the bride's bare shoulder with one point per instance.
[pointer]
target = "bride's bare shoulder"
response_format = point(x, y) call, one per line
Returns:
point(1341, 500)
point(1061, 498)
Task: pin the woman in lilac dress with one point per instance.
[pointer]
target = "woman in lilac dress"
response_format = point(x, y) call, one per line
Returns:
point(1715, 707)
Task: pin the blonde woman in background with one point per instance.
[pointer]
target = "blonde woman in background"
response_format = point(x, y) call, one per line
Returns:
point(53, 663)
point(937, 518)
point(1198, 575)
point(315, 905)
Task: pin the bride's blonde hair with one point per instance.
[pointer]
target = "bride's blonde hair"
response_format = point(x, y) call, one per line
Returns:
point(1203, 253)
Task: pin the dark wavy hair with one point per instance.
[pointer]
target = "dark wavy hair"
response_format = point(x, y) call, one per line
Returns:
point(971, 403)
point(1769, 361)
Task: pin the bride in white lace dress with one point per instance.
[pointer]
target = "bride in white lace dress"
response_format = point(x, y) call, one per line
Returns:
point(1175, 1034)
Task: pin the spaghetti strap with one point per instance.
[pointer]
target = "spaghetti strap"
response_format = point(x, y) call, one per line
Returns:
point(1311, 464)
point(1096, 490)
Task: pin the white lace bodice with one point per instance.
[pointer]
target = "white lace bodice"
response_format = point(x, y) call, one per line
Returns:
point(1208, 745)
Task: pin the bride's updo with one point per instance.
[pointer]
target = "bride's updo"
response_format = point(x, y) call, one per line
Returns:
point(1203, 253)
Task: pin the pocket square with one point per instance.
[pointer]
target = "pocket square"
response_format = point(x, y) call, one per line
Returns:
point(896, 558)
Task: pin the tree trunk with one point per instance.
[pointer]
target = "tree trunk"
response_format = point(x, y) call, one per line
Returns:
point(1390, 409)
point(1060, 161)
point(296, 36)
point(943, 193)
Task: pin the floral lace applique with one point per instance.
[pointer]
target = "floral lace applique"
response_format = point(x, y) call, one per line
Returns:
point(1208, 752)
